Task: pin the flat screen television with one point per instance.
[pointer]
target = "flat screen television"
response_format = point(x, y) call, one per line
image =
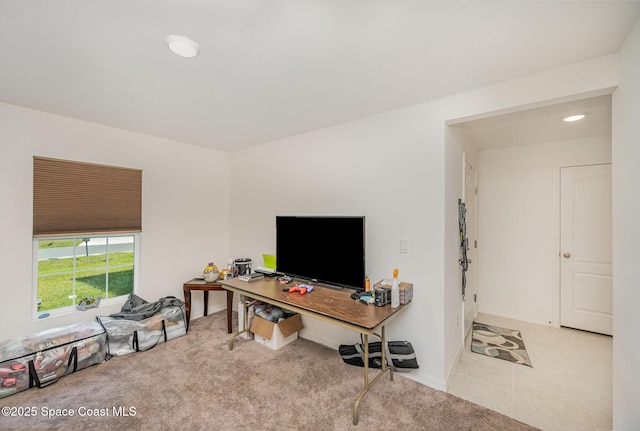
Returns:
point(323, 249)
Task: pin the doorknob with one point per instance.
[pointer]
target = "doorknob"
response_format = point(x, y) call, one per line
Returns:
point(468, 260)
point(566, 255)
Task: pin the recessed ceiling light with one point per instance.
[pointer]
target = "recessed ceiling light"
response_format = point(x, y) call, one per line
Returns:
point(182, 46)
point(576, 117)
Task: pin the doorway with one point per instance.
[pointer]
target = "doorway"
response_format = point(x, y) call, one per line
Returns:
point(519, 156)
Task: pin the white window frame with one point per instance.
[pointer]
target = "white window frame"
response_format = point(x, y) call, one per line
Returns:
point(103, 302)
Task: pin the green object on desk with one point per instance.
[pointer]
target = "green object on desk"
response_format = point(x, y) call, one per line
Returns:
point(269, 261)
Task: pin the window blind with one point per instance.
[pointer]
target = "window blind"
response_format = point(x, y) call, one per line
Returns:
point(71, 198)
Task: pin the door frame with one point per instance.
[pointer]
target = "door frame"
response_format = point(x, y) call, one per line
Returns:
point(473, 163)
point(555, 322)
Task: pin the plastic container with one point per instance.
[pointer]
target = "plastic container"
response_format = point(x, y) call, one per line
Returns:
point(395, 290)
point(242, 266)
point(229, 269)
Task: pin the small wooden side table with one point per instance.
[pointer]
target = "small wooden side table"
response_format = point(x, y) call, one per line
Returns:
point(198, 284)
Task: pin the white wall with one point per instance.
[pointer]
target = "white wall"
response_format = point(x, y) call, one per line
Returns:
point(388, 168)
point(518, 225)
point(595, 77)
point(626, 237)
point(184, 208)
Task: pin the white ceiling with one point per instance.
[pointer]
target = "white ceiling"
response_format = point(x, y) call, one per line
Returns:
point(269, 69)
point(541, 125)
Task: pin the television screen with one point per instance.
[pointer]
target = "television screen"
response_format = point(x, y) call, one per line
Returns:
point(329, 250)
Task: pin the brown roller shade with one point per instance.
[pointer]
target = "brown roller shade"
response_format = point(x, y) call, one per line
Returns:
point(72, 198)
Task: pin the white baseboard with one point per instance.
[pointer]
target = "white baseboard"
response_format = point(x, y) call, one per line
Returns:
point(515, 316)
point(453, 365)
point(423, 380)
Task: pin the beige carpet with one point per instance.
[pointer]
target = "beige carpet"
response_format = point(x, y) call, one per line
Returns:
point(195, 383)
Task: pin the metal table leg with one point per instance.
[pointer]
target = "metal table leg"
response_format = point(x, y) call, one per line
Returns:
point(368, 385)
point(243, 300)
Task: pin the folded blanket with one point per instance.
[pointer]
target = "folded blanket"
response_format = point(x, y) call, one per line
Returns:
point(136, 308)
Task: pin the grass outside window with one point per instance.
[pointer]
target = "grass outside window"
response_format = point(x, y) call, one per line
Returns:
point(70, 269)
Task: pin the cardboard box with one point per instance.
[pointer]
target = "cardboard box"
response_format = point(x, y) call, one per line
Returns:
point(276, 335)
point(406, 290)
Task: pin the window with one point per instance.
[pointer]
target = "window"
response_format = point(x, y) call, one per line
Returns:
point(86, 232)
point(70, 269)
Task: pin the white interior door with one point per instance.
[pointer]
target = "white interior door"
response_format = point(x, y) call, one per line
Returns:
point(586, 282)
point(470, 187)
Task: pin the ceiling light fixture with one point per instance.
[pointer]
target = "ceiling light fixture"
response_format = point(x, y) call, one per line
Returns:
point(182, 46)
point(573, 118)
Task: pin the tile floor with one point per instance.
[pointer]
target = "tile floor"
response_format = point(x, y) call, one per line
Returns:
point(568, 388)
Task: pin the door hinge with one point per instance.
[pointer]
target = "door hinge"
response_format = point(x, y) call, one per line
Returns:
point(476, 190)
point(475, 243)
point(475, 297)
